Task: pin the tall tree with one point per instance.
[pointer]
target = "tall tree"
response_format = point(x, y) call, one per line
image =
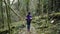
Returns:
point(38, 7)
point(8, 15)
point(2, 12)
point(7, 3)
point(42, 4)
point(27, 2)
point(47, 8)
point(19, 5)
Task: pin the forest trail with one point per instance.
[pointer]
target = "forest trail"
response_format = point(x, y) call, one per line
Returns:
point(24, 31)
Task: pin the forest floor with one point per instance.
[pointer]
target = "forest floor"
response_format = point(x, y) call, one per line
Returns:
point(32, 30)
point(23, 29)
point(38, 26)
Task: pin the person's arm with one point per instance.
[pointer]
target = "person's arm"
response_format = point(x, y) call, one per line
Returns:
point(30, 17)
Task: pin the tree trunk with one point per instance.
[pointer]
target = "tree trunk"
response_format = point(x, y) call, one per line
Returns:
point(8, 14)
point(2, 15)
point(27, 6)
point(38, 7)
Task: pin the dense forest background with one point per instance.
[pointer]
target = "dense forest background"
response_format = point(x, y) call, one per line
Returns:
point(45, 14)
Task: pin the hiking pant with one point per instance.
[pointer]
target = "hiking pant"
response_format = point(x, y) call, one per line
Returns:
point(28, 25)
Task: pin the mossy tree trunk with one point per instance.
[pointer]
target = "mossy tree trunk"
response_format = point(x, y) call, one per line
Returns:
point(7, 3)
point(27, 5)
point(47, 9)
point(18, 5)
point(2, 15)
point(38, 7)
point(42, 4)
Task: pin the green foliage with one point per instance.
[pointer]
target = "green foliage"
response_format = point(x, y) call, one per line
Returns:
point(41, 11)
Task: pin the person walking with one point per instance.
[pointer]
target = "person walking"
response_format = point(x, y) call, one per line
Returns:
point(28, 19)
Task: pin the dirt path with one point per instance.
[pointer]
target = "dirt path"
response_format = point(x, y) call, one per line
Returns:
point(32, 30)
